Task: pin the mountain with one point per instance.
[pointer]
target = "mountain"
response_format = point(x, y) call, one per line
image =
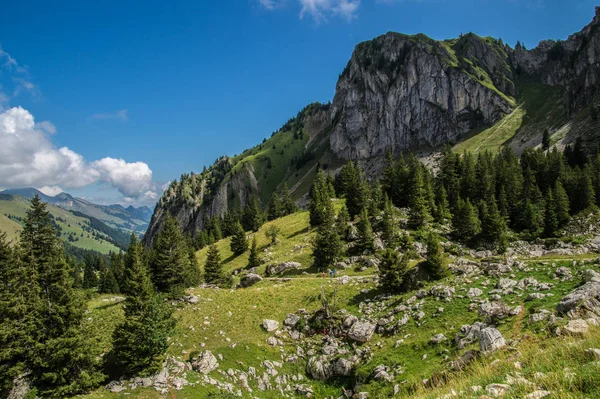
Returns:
point(128, 219)
point(80, 233)
point(410, 93)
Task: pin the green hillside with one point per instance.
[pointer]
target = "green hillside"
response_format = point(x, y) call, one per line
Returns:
point(74, 230)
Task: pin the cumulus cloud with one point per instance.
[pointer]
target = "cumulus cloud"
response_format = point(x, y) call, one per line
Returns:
point(29, 158)
point(51, 191)
point(122, 115)
point(320, 10)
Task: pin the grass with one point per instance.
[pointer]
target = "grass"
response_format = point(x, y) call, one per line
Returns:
point(65, 219)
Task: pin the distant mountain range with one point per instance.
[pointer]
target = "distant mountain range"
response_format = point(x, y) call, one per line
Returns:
point(130, 219)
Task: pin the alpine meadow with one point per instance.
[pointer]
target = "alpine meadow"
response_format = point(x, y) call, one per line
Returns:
point(432, 231)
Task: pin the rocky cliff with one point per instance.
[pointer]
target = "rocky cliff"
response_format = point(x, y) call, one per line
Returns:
point(403, 92)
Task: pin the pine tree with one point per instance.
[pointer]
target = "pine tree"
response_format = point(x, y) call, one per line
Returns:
point(239, 243)
point(465, 222)
point(392, 269)
point(365, 233)
point(435, 262)
point(254, 257)
point(327, 246)
point(419, 212)
point(140, 342)
point(61, 360)
point(89, 276)
point(169, 260)
point(213, 269)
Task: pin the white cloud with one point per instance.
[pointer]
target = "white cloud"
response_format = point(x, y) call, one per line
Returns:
point(51, 191)
point(122, 115)
point(18, 75)
point(29, 158)
point(320, 10)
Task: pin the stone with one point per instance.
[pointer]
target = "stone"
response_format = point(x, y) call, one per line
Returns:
point(291, 320)
point(468, 334)
point(591, 276)
point(593, 353)
point(342, 367)
point(349, 321)
point(205, 362)
point(437, 339)
point(584, 300)
point(464, 360)
point(319, 368)
point(381, 373)
point(505, 283)
point(497, 390)
point(270, 325)
point(249, 280)
point(474, 292)
point(361, 331)
point(21, 388)
point(490, 340)
point(535, 295)
point(272, 341)
point(442, 291)
point(576, 327)
point(494, 311)
point(282, 268)
point(563, 272)
point(192, 299)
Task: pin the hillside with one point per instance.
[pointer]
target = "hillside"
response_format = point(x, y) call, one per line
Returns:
point(405, 357)
point(130, 219)
point(410, 93)
point(77, 231)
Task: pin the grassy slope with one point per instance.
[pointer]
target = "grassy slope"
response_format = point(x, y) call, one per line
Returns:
point(540, 107)
point(226, 317)
point(19, 206)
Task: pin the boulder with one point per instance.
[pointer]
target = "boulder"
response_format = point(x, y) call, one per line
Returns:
point(576, 327)
point(468, 334)
point(249, 280)
point(591, 276)
point(494, 311)
point(319, 368)
point(583, 301)
point(361, 331)
point(464, 360)
point(270, 325)
point(205, 362)
point(342, 367)
point(192, 299)
point(437, 339)
point(497, 390)
point(442, 291)
point(291, 320)
point(349, 321)
point(490, 340)
point(563, 272)
point(282, 268)
point(505, 283)
point(474, 292)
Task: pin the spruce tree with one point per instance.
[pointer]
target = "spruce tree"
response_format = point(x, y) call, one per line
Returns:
point(320, 202)
point(239, 243)
point(140, 342)
point(419, 214)
point(107, 283)
point(388, 228)
point(193, 276)
point(327, 246)
point(61, 361)
point(341, 223)
point(169, 260)
point(275, 209)
point(435, 262)
point(254, 257)
point(365, 233)
point(89, 276)
point(465, 222)
point(117, 266)
point(562, 204)
point(213, 269)
point(493, 225)
point(551, 223)
point(392, 269)
point(546, 140)
point(288, 206)
point(442, 206)
point(252, 218)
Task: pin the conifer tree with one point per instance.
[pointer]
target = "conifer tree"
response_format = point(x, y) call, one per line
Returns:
point(320, 202)
point(562, 204)
point(546, 140)
point(169, 260)
point(107, 283)
point(435, 262)
point(193, 276)
point(252, 218)
point(327, 246)
point(89, 276)
point(213, 269)
point(493, 225)
point(61, 361)
point(288, 206)
point(140, 342)
point(419, 214)
point(275, 208)
point(343, 218)
point(465, 222)
point(254, 257)
point(117, 266)
point(442, 207)
point(551, 223)
point(239, 243)
point(392, 269)
point(388, 228)
point(365, 233)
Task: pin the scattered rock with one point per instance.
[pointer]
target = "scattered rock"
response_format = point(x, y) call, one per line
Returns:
point(497, 390)
point(491, 340)
point(205, 362)
point(282, 268)
point(576, 327)
point(291, 320)
point(538, 395)
point(474, 292)
point(437, 339)
point(361, 331)
point(319, 368)
point(270, 325)
point(249, 280)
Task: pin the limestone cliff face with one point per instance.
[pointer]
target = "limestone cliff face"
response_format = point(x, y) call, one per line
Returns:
point(404, 92)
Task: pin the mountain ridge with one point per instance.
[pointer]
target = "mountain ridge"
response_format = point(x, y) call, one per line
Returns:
point(409, 93)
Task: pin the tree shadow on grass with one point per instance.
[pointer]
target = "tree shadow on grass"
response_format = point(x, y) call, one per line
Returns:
point(297, 233)
point(109, 305)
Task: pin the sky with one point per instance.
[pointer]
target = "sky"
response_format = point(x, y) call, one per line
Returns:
point(110, 100)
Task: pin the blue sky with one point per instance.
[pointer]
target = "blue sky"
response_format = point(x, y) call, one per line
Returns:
point(132, 87)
